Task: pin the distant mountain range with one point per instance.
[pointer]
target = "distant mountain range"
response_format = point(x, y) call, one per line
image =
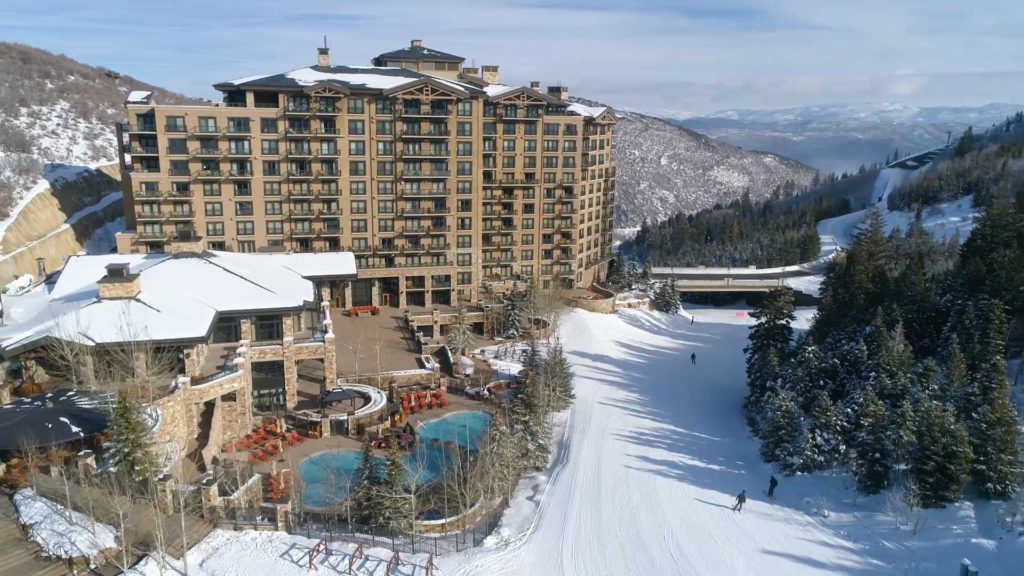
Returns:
point(664, 169)
point(838, 138)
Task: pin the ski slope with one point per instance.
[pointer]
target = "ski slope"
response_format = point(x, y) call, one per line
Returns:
point(654, 451)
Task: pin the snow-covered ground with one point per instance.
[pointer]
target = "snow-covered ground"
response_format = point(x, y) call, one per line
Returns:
point(646, 465)
point(62, 533)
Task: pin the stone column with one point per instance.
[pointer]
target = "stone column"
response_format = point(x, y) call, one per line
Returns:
point(428, 285)
point(348, 294)
point(86, 465)
point(245, 328)
point(284, 516)
point(291, 372)
point(165, 494)
point(5, 392)
point(210, 491)
point(244, 396)
point(330, 354)
point(375, 292)
point(193, 361)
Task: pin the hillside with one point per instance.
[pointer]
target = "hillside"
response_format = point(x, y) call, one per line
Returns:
point(664, 169)
point(54, 110)
point(840, 138)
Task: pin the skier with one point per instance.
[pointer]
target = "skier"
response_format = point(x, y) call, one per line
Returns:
point(772, 483)
point(693, 358)
point(692, 318)
point(741, 499)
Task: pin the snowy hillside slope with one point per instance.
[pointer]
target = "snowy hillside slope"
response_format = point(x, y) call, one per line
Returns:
point(54, 110)
point(664, 169)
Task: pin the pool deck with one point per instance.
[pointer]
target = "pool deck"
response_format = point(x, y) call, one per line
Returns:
point(292, 457)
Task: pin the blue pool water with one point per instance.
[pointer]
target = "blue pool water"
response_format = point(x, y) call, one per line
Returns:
point(327, 477)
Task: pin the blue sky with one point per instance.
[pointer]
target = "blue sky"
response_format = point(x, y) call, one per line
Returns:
point(680, 56)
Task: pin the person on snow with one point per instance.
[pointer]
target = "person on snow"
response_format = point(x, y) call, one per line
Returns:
point(772, 483)
point(741, 499)
point(693, 358)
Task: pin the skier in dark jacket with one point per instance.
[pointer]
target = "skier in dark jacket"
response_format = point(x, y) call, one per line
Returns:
point(772, 483)
point(693, 358)
point(741, 499)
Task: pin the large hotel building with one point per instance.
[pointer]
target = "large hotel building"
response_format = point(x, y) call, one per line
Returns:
point(436, 176)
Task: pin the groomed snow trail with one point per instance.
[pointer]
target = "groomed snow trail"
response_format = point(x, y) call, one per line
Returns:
point(656, 452)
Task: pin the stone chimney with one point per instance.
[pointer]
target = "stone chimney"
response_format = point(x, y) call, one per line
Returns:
point(559, 92)
point(119, 283)
point(471, 72)
point(323, 56)
point(534, 84)
point(490, 75)
point(416, 43)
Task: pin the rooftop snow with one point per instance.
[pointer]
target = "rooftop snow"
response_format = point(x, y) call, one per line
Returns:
point(309, 76)
point(495, 90)
point(138, 97)
point(360, 77)
point(179, 297)
point(588, 111)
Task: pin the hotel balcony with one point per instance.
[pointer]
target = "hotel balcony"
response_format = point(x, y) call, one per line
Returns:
point(427, 193)
point(407, 154)
point(425, 112)
point(422, 174)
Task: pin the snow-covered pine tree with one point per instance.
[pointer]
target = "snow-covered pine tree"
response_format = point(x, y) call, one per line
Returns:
point(940, 461)
point(770, 340)
point(129, 442)
point(871, 448)
point(825, 446)
point(530, 421)
point(395, 505)
point(783, 439)
point(666, 299)
point(558, 373)
point(993, 425)
point(513, 315)
point(504, 456)
point(954, 386)
point(460, 334)
point(365, 504)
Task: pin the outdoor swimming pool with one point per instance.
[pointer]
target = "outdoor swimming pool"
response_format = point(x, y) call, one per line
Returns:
point(327, 477)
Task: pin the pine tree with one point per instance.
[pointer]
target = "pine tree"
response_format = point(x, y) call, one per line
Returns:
point(940, 461)
point(129, 442)
point(558, 373)
point(513, 315)
point(770, 340)
point(505, 457)
point(993, 425)
point(530, 423)
point(825, 446)
point(872, 452)
point(394, 504)
point(460, 335)
point(666, 299)
point(782, 434)
point(365, 504)
point(954, 386)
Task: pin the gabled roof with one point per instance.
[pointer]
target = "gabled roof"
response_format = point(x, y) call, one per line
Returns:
point(497, 92)
point(344, 77)
point(180, 296)
point(416, 54)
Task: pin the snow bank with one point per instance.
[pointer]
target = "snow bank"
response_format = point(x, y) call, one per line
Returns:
point(62, 533)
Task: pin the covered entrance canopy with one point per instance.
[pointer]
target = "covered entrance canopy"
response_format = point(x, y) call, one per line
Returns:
point(54, 418)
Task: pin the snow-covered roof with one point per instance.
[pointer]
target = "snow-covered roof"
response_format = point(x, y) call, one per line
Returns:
point(418, 53)
point(352, 77)
point(180, 295)
point(587, 111)
point(138, 97)
point(495, 90)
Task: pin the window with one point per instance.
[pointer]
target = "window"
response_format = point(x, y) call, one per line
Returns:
point(385, 128)
point(360, 244)
point(464, 223)
point(528, 240)
point(464, 242)
point(356, 127)
point(207, 125)
point(243, 189)
point(527, 223)
point(386, 225)
point(464, 108)
point(465, 148)
point(358, 206)
point(385, 148)
point(386, 206)
point(268, 125)
point(357, 168)
point(551, 145)
point(568, 162)
point(275, 227)
point(383, 106)
point(529, 146)
point(177, 146)
point(272, 208)
point(508, 145)
point(175, 124)
point(246, 246)
point(214, 228)
point(526, 254)
point(464, 129)
point(464, 278)
point(385, 188)
point(220, 246)
point(508, 162)
point(464, 259)
point(530, 162)
point(271, 168)
point(327, 104)
point(569, 146)
point(243, 208)
point(464, 187)
point(359, 226)
point(357, 188)
point(550, 129)
point(214, 209)
point(357, 148)
point(551, 161)
point(244, 228)
point(211, 188)
point(464, 168)
point(238, 125)
point(328, 148)
point(356, 106)
point(385, 168)
point(269, 147)
point(271, 188)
